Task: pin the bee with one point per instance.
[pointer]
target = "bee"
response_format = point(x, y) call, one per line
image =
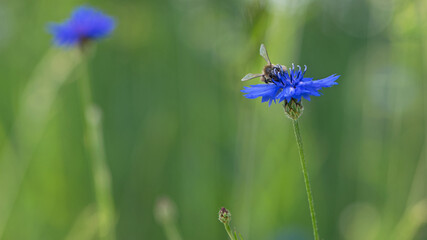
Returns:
point(267, 75)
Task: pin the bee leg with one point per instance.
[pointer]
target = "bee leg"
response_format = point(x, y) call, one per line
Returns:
point(263, 79)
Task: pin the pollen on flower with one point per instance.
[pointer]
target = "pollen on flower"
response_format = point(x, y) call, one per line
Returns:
point(85, 24)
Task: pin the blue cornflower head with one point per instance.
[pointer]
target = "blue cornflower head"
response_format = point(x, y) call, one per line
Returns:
point(287, 85)
point(86, 23)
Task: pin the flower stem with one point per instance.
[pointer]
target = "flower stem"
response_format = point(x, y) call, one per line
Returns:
point(306, 180)
point(101, 172)
point(228, 229)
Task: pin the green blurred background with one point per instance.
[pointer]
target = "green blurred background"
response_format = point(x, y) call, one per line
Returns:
point(175, 124)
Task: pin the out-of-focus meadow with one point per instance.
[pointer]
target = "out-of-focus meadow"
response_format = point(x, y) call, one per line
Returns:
point(174, 122)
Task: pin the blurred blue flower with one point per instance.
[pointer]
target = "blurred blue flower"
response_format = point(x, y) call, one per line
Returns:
point(86, 23)
point(288, 84)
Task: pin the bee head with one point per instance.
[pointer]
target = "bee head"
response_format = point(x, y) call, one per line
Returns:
point(267, 69)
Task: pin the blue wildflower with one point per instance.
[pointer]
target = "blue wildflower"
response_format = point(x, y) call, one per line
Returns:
point(86, 23)
point(288, 84)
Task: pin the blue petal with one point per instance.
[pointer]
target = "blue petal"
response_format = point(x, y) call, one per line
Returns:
point(286, 93)
point(313, 86)
point(62, 35)
point(306, 96)
point(326, 82)
point(260, 90)
point(85, 23)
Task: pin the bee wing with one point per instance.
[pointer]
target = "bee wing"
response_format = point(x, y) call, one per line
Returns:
point(251, 76)
point(264, 54)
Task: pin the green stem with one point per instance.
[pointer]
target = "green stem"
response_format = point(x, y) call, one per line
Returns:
point(101, 173)
point(229, 232)
point(171, 231)
point(306, 179)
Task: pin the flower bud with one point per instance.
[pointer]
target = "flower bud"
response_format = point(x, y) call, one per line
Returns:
point(165, 210)
point(293, 109)
point(224, 215)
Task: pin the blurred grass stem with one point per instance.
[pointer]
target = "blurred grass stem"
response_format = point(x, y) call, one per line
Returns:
point(306, 179)
point(165, 215)
point(171, 231)
point(36, 103)
point(95, 144)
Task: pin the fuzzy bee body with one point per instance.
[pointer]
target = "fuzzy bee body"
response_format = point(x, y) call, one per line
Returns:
point(269, 71)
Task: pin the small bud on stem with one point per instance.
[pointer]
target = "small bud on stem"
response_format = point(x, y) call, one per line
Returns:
point(293, 109)
point(225, 218)
point(224, 215)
